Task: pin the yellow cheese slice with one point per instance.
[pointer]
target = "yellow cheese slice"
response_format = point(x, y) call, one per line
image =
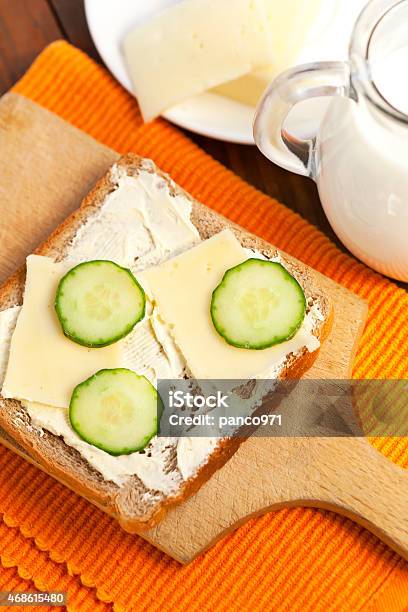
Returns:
point(44, 366)
point(181, 289)
point(248, 89)
point(194, 46)
point(289, 23)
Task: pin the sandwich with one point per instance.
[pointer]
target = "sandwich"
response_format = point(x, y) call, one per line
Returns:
point(143, 283)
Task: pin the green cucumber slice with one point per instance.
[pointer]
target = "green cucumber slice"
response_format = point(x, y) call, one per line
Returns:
point(258, 304)
point(116, 411)
point(98, 303)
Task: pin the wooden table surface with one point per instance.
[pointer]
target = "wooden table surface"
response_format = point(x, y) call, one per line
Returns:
point(27, 26)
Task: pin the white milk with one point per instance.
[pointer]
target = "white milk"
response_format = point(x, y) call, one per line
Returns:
point(391, 78)
point(363, 171)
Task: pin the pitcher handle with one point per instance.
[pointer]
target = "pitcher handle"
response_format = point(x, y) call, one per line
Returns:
point(293, 86)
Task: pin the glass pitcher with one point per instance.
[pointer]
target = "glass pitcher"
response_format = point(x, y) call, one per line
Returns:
point(359, 157)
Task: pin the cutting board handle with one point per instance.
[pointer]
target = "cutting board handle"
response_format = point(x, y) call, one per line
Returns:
point(344, 475)
point(351, 477)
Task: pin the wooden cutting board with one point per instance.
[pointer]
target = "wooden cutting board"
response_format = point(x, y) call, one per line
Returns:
point(47, 167)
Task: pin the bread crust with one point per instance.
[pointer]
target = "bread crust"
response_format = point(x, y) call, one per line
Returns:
point(65, 464)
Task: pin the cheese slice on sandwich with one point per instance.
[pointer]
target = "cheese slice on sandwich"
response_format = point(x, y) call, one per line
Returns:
point(44, 366)
point(182, 288)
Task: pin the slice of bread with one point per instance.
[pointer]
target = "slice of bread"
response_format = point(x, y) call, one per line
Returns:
point(136, 507)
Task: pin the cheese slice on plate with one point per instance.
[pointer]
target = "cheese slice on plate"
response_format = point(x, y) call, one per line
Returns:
point(182, 288)
point(290, 24)
point(193, 46)
point(44, 366)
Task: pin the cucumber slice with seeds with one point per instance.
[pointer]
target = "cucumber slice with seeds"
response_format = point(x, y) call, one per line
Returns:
point(98, 303)
point(258, 304)
point(115, 410)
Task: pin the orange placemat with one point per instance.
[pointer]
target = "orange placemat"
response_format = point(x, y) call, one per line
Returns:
point(300, 559)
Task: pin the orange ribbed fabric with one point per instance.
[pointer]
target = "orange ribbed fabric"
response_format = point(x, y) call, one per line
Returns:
point(300, 559)
point(11, 579)
point(45, 574)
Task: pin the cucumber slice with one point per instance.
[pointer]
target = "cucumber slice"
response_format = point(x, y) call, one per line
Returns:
point(116, 411)
point(257, 304)
point(98, 303)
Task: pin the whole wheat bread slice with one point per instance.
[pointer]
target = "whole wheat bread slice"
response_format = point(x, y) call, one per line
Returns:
point(131, 503)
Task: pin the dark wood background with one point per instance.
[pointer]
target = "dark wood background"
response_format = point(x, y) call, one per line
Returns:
point(27, 26)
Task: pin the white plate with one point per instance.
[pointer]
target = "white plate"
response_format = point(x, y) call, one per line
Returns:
point(210, 114)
